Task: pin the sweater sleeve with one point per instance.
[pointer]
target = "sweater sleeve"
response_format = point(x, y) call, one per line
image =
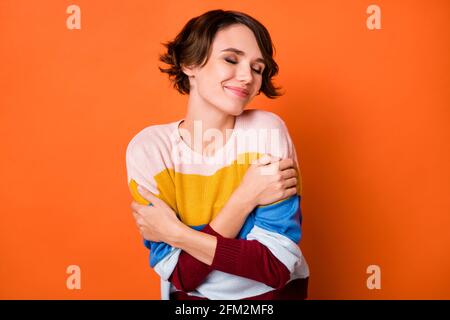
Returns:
point(234, 256)
point(188, 281)
point(240, 256)
point(145, 156)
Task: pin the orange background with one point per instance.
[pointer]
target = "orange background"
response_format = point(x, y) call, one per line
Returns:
point(367, 110)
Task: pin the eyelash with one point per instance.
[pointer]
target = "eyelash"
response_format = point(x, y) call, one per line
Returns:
point(234, 62)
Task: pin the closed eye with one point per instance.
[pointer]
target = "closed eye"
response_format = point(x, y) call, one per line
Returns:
point(234, 62)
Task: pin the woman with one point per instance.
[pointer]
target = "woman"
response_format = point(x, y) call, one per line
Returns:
point(223, 219)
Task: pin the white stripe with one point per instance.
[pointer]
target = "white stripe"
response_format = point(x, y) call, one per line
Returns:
point(166, 266)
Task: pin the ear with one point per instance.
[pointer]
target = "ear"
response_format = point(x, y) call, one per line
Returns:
point(188, 70)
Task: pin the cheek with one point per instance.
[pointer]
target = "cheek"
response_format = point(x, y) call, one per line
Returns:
point(221, 72)
point(216, 75)
point(224, 76)
point(258, 83)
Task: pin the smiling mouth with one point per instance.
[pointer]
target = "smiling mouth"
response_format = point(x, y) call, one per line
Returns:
point(239, 93)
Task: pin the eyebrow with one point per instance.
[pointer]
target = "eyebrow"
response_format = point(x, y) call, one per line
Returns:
point(242, 53)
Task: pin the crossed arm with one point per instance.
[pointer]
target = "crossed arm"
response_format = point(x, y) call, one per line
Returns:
point(215, 247)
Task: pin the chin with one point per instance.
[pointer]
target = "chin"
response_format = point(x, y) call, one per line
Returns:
point(231, 106)
point(238, 112)
point(235, 111)
point(237, 108)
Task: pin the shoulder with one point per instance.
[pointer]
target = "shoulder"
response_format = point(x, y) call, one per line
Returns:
point(257, 118)
point(271, 131)
point(148, 160)
point(264, 121)
point(151, 143)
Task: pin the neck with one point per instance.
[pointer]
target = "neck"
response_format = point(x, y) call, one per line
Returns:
point(210, 118)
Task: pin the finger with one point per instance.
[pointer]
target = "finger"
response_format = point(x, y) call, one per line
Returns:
point(140, 221)
point(276, 166)
point(149, 196)
point(292, 182)
point(291, 191)
point(138, 225)
point(136, 206)
point(263, 160)
point(289, 173)
point(266, 159)
point(139, 208)
point(270, 169)
point(135, 215)
point(286, 163)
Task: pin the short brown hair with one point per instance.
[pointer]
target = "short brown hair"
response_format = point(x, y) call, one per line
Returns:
point(193, 44)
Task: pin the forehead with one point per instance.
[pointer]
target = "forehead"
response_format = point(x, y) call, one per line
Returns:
point(239, 37)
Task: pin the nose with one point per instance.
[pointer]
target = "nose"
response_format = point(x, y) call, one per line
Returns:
point(244, 73)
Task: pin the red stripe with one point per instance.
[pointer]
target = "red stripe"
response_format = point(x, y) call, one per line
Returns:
point(236, 256)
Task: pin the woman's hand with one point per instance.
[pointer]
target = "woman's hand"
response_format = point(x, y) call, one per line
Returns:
point(158, 222)
point(269, 180)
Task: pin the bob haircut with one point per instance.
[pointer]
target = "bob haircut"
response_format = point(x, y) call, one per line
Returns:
point(193, 44)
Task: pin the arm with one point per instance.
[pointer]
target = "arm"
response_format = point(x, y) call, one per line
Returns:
point(196, 249)
point(167, 260)
point(244, 254)
point(228, 222)
point(144, 161)
point(199, 248)
point(234, 256)
point(273, 250)
point(164, 258)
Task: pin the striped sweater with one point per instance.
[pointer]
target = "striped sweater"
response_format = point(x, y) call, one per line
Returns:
point(265, 255)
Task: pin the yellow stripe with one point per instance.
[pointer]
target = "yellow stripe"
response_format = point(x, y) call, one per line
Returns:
point(198, 198)
point(135, 193)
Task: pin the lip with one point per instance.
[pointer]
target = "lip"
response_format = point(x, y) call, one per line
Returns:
point(240, 92)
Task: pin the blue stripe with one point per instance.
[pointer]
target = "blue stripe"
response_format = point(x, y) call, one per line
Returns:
point(158, 250)
point(284, 218)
